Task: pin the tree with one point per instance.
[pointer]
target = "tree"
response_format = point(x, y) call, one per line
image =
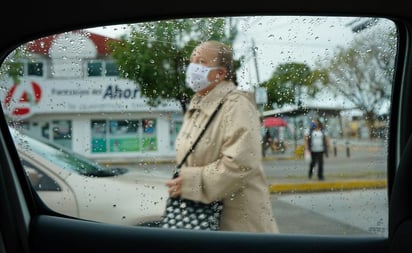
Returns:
point(363, 73)
point(289, 81)
point(156, 53)
point(13, 65)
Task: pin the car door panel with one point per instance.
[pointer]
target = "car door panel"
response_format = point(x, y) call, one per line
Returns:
point(135, 239)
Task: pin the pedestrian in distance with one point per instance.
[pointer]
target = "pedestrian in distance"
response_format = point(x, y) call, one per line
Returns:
point(267, 142)
point(226, 165)
point(317, 142)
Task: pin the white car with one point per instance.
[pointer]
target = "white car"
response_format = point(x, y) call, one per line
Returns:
point(76, 186)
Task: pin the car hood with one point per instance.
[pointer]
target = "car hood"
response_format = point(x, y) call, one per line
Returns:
point(128, 199)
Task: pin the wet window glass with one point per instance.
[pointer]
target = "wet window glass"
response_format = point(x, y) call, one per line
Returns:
point(39, 180)
point(95, 115)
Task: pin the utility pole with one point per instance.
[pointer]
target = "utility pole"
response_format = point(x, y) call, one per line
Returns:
point(255, 60)
point(260, 93)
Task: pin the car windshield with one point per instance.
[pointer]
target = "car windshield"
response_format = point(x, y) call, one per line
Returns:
point(317, 94)
point(64, 158)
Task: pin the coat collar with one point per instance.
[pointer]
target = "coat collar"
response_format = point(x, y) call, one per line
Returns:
point(209, 102)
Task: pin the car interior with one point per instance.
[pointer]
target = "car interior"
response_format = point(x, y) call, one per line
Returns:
point(29, 225)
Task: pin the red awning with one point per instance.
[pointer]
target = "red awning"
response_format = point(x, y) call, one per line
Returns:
point(274, 122)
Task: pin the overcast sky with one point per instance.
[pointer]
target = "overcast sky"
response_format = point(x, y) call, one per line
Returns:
point(268, 41)
point(275, 40)
point(287, 39)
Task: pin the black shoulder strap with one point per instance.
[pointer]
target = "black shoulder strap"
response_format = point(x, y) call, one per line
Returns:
point(200, 135)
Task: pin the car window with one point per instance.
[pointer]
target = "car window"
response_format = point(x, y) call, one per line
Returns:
point(103, 106)
point(39, 180)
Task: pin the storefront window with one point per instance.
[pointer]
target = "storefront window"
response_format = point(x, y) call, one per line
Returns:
point(174, 130)
point(98, 136)
point(62, 132)
point(149, 140)
point(45, 129)
point(124, 135)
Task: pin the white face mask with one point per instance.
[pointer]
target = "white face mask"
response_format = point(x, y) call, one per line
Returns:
point(196, 76)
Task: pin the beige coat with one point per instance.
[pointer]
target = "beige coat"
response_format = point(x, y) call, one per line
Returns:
point(226, 164)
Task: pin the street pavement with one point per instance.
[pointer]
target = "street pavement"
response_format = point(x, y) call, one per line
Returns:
point(349, 212)
point(355, 164)
point(352, 200)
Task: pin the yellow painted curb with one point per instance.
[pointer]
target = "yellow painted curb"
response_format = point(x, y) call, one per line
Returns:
point(326, 186)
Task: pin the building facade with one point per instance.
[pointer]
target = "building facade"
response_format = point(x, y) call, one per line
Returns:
point(93, 111)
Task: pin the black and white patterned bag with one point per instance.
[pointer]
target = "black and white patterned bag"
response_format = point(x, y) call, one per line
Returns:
point(188, 214)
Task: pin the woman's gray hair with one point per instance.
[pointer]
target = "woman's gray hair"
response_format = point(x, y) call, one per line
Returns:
point(224, 57)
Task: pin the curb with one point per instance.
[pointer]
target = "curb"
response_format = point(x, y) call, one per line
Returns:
point(281, 157)
point(327, 186)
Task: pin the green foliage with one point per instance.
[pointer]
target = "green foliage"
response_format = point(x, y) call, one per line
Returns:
point(289, 81)
point(13, 66)
point(156, 54)
point(15, 70)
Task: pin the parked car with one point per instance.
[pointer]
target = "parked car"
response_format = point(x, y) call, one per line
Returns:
point(29, 224)
point(71, 184)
